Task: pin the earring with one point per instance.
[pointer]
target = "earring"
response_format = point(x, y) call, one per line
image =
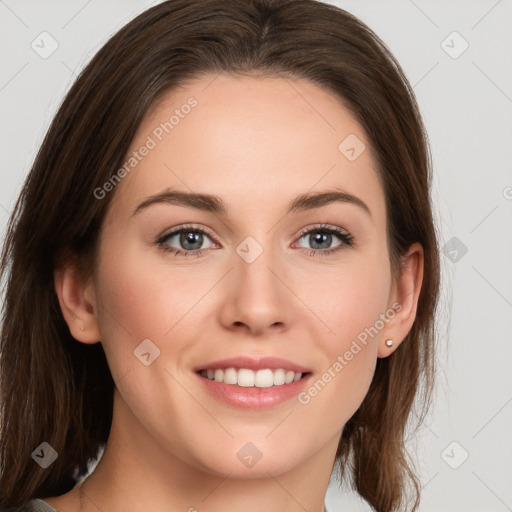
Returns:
point(82, 329)
point(389, 343)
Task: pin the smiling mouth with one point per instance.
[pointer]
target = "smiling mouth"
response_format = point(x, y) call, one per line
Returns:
point(244, 377)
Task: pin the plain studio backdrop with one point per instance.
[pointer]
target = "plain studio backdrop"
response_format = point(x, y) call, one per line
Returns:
point(457, 55)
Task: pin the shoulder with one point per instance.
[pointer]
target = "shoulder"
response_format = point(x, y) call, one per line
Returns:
point(35, 505)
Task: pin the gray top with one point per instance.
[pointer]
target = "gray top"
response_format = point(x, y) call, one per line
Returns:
point(38, 505)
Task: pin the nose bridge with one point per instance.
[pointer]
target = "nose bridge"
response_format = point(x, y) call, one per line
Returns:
point(257, 293)
point(256, 264)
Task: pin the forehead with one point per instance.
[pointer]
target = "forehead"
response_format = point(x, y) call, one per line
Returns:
point(263, 139)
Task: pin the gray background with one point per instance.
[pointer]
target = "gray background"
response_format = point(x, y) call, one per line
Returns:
point(464, 449)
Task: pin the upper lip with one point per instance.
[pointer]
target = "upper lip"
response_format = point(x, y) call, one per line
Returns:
point(252, 363)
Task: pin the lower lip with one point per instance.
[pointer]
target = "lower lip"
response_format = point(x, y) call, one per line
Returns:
point(253, 398)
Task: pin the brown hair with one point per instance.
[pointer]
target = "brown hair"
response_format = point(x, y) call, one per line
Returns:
point(57, 390)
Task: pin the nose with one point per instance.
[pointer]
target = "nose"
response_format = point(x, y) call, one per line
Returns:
point(257, 299)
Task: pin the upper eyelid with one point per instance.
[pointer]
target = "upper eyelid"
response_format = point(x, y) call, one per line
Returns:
point(319, 227)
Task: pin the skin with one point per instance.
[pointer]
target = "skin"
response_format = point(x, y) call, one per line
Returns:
point(257, 143)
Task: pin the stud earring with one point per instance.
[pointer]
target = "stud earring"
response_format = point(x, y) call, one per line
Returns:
point(389, 343)
point(82, 329)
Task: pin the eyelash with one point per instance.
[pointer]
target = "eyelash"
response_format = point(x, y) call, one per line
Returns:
point(345, 237)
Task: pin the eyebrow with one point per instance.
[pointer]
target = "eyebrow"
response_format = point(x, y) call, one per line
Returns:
point(214, 204)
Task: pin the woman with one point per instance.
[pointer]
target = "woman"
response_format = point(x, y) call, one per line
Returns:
point(290, 339)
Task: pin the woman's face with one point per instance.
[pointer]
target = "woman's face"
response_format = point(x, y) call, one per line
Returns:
point(252, 281)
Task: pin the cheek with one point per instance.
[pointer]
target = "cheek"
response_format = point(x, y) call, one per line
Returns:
point(352, 300)
point(138, 299)
point(353, 306)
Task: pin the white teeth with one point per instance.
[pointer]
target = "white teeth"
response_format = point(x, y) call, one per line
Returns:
point(264, 379)
point(230, 376)
point(279, 377)
point(248, 378)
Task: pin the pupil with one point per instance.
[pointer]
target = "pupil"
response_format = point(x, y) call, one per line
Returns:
point(192, 238)
point(326, 237)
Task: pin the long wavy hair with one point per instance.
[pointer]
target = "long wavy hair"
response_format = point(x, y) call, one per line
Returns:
point(57, 390)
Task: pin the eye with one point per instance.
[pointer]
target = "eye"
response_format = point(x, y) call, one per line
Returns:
point(189, 239)
point(321, 237)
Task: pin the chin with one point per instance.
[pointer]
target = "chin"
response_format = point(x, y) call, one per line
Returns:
point(274, 465)
point(248, 456)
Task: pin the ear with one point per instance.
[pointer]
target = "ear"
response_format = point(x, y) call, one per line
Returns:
point(77, 302)
point(403, 300)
